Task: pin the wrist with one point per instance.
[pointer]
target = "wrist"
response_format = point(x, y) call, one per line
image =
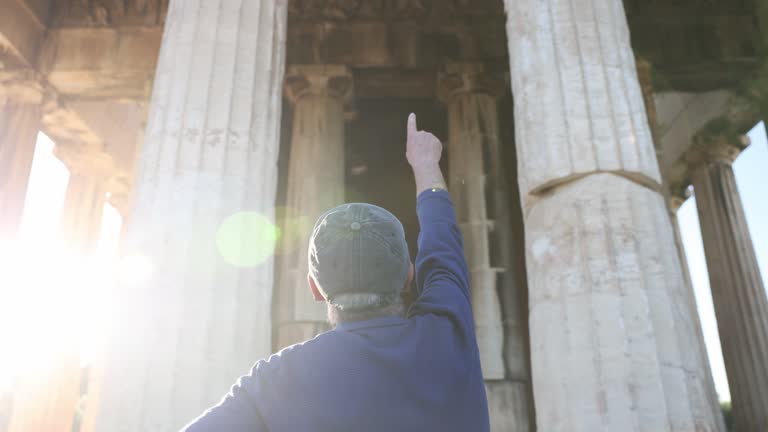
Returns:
point(429, 178)
point(419, 167)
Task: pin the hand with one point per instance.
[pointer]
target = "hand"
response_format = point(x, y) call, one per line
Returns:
point(423, 152)
point(423, 149)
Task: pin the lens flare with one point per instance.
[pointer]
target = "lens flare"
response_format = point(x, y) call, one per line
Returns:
point(247, 239)
point(295, 229)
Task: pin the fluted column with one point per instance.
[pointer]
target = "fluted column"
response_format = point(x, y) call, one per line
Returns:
point(473, 150)
point(20, 111)
point(613, 340)
point(202, 218)
point(478, 187)
point(46, 400)
point(738, 292)
point(85, 198)
point(675, 200)
point(315, 184)
point(81, 216)
point(674, 197)
point(36, 404)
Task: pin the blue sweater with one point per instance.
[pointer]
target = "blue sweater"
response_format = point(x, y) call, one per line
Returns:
point(415, 373)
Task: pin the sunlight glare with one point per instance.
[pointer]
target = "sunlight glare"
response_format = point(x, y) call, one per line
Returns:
point(54, 304)
point(247, 239)
point(134, 270)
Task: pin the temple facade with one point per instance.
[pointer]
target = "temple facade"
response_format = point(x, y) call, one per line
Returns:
point(221, 129)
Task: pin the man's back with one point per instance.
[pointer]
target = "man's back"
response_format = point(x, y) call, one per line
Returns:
point(420, 372)
point(385, 374)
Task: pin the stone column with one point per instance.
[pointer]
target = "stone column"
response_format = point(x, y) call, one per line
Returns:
point(675, 195)
point(676, 199)
point(315, 184)
point(46, 401)
point(21, 97)
point(478, 186)
point(738, 292)
point(202, 229)
point(613, 340)
point(473, 148)
point(85, 198)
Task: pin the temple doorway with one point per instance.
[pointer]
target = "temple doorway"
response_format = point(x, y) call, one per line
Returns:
point(377, 171)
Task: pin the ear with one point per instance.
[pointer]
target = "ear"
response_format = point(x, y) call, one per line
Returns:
point(409, 280)
point(315, 290)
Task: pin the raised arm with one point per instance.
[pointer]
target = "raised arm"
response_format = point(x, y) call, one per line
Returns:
point(442, 278)
point(423, 152)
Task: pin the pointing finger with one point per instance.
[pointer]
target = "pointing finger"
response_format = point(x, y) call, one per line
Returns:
point(412, 125)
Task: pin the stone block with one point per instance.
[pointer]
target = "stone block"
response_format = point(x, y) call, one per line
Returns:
point(509, 406)
point(612, 335)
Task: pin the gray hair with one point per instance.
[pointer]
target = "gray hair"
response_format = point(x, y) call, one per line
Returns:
point(363, 306)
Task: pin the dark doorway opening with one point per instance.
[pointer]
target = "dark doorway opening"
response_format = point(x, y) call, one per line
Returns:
point(377, 170)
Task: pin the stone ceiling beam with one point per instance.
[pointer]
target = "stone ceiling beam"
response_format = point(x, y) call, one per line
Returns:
point(72, 129)
point(65, 126)
point(379, 43)
point(62, 120)
point(680, 116)
point(686, 116)
point(22, 29)
point(116, 62)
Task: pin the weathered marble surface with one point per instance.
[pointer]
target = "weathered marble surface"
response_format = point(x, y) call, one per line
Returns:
point(613, 343)
point(580, 106)
point(509, 406)
point(181, 338)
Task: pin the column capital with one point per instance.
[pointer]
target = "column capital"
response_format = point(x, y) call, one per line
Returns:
point(458, 78)
point(306, 80)
point(678, 194)
point(708, 149)
point(645, 78)
point(25, 86)
point(119, 195)
point(84, 161)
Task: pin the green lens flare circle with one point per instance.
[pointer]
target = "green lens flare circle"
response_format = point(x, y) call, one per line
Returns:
point(247, 239)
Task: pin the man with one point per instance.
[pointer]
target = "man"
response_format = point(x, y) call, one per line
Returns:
point(380, 368)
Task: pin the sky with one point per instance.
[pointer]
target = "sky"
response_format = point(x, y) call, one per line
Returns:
point(751, 169)
point(45, 197)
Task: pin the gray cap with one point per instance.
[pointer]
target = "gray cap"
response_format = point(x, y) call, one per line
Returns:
point(359, 249)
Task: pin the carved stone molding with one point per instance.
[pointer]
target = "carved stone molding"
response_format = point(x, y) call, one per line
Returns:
point(458, 78)
point(63, 125)
point(83, 161)
point(678, 194)
point(645, 76)
point(304, 80)
point(23, 86)
point(390, 9)
point(100, 13)
point(716, 149)
point(704, 6)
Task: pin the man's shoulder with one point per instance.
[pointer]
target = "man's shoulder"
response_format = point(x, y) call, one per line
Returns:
point(299, 351)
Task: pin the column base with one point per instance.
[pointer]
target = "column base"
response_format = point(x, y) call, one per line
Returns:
point(508, 406)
